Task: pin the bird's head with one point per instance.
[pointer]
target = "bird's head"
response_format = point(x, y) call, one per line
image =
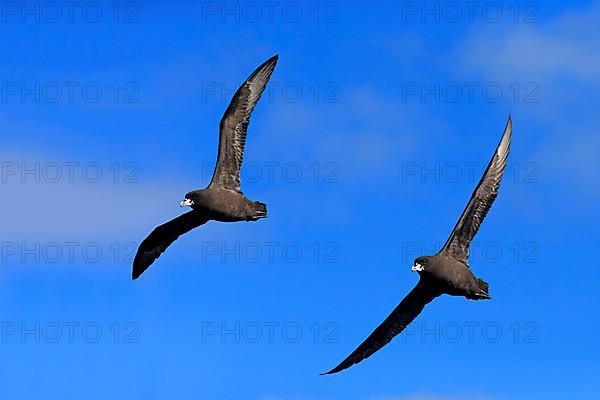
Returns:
point(421, 263)
point(191, 199)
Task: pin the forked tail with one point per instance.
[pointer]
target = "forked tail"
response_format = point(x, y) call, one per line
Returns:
point(260, 210)
point(482, 291)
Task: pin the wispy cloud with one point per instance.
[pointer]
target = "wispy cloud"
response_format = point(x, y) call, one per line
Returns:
point(423, 396)
point(565, 47)
point(45, 198)
point(561, 56)
point(364, 132)
point(436, 397)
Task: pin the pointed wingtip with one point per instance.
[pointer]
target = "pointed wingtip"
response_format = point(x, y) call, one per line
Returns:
point(508, 128)
point(332, 371)
point(266, 67)
point(141, 262)
point(504, 145)
point(273, 59)
point(136, 272)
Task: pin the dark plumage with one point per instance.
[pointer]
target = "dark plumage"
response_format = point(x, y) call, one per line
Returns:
point(446, 272)
point(223, 199)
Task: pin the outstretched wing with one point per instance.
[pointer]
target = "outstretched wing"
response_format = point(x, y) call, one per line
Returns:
point(408, 309)
point(457, 245)
point(162, 237)
point(234, 124)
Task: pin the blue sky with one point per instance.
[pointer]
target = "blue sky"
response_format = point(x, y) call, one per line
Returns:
point(374, 130)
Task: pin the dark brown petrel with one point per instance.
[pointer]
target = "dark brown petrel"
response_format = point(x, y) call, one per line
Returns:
point(447, 272)
point(222, 200)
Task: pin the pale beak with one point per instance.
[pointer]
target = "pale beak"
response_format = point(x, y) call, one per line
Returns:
point(186, 202)
point(417, 267)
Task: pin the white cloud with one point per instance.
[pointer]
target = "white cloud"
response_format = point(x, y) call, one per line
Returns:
point(562, 48)
point(434, 397)
point(363, 133)
point(561, 56)
point(55, 201)
point(401, 397)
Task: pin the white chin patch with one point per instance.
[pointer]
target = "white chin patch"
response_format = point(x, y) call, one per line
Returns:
point(417, 267)
point(186, 202)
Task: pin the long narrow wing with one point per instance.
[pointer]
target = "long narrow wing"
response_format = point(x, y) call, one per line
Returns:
point(234, 124)
point(457, 245)
point(162, 237)
point(408, 309)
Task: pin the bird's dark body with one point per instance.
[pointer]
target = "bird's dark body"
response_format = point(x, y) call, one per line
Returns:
point(453, 277)
point(226, 205)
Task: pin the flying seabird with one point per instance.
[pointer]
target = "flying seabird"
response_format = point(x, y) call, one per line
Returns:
point(223, 199)
point(446, 272)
